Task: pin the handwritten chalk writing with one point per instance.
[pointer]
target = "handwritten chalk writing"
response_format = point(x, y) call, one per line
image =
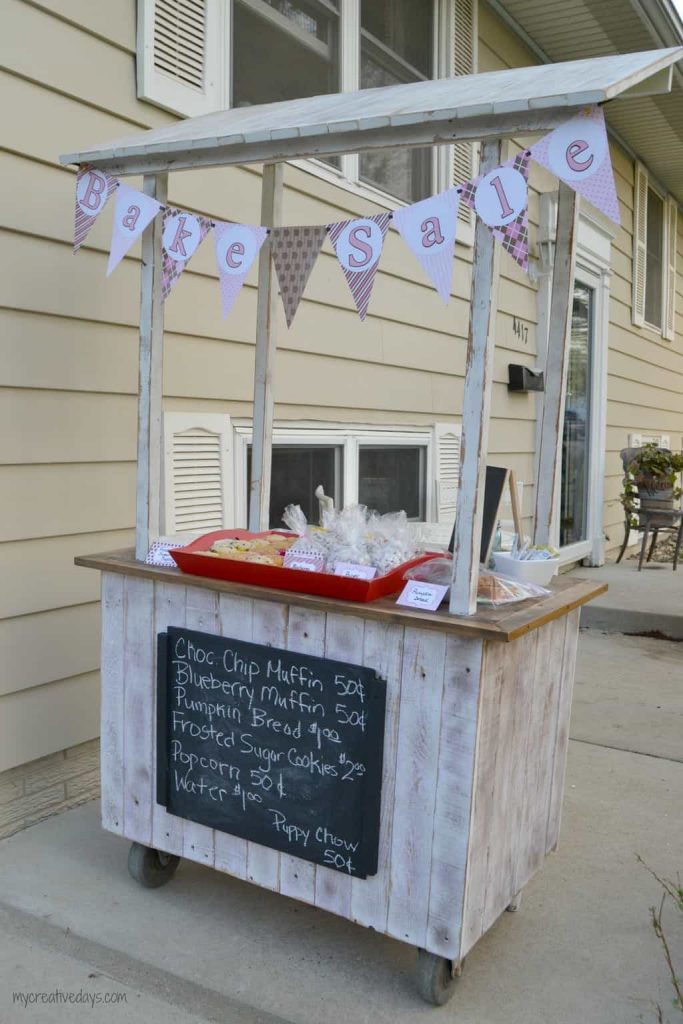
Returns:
point(280, 748)
point(294, 833)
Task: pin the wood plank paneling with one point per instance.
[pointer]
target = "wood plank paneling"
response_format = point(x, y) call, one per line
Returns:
point(138, 709)
point(112, 710)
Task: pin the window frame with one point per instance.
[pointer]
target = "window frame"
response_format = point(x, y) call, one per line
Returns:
point(155, 87)
point(349, 437)
point(664, 255)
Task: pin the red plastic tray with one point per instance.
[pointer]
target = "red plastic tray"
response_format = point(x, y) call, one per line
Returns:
point(279, 578)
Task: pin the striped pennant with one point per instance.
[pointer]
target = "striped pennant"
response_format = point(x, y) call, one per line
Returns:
point(358, 245)
point(93, 189)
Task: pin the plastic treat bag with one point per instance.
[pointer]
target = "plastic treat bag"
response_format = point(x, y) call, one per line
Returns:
point(311, 548)
point(390, 541)
point(347, 537)
point(494, 589)
point(436, 570)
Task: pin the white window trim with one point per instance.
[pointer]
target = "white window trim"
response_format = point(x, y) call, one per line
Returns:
point(161, 90)
point(349, 437)
point(593, 260)
point(661, 332)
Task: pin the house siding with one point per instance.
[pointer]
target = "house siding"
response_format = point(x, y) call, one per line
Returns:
point(68, 346)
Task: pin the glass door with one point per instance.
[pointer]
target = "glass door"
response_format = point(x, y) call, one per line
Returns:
point(576, 436)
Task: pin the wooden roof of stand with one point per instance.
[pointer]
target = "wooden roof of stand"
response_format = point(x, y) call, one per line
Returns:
point(481, 106)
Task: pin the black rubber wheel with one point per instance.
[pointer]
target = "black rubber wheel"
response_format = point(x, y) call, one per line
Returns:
point(150, 867)
point(434, 978)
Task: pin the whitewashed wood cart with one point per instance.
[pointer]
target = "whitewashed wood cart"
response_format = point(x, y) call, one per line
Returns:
point(477, 702)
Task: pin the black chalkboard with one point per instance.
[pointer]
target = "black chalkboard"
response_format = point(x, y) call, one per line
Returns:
point(284, 749)
point(496, 478)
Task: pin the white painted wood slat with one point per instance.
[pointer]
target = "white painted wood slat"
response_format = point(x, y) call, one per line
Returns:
point(112, 706)
point(201, 614)
point(422, 678)
point(169, 610)
point(138, 708)
point(306, 635)
point(382, 651)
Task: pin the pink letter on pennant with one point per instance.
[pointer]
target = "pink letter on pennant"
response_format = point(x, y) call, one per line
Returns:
point(131, 218)
point(176, 245)
point(574, 150)
point(431, 232)
point(357, 243)
point(235, 249)
point(92, 197)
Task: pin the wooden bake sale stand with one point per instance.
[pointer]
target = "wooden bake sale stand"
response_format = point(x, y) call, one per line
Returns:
point(403, 769)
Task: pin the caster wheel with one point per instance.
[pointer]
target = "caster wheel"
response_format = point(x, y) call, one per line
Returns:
point(515, 904)
point(150, 867)
point(434, 978)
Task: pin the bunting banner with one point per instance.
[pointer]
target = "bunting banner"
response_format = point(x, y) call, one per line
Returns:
point(501, 199)
point(93, 189)
point(358, 245)
point(133, 211)
point(578, 153)
point(237, 246)
point(428, 228)
point(294, 252)
point(181, 236)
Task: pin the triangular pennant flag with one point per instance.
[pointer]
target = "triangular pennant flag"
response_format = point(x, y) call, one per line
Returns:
point(237, 247)
point(358, 245)
point(93, 189)
point(501, 200)
point(294, 251)
point(578, 153)
point(182, 235)
point(133, 211)
point(428, 228)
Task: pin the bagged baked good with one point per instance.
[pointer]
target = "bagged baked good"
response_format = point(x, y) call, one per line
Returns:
point(494, 589)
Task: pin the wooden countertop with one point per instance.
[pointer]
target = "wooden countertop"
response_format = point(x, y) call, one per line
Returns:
point(503, 624)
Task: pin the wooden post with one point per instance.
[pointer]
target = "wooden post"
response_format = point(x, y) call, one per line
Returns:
point(556, 363)
point(262, 438)
point(147, 497)
point(476, 408)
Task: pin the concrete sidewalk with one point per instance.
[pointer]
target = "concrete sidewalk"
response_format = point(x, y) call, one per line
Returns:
point(650, 601)
point(210, 948)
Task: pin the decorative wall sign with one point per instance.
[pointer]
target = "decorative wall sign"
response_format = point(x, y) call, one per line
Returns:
point(280, 748)
point(294, 252)
point(93, 189)
point(358, 245)
point(578, 153)
point(182, 235)
point(133, 211)
point(428, 228)
point(237, 246)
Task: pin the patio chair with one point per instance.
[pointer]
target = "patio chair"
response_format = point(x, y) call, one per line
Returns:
point(651, 519)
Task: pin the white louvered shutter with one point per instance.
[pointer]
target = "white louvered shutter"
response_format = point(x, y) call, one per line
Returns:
point(446, 470)
point(197, 472)
point(670, 269)
point(182, 55)
point(465, 62)
point(639, 245)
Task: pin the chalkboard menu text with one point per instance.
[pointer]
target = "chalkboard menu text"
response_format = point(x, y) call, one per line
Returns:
point(280, 748)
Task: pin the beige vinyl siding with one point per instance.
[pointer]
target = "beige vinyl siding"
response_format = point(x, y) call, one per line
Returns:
point(68, 344)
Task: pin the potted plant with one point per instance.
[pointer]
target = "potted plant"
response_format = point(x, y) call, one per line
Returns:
point(651, 477)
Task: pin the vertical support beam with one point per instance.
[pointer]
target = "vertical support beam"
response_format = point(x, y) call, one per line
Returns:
point(549, 453)
point(476, 408)
point(262, 440)
point(147, 496)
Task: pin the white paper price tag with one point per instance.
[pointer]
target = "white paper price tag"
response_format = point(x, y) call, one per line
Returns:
point(307, 563)
point(355, 572)
point(158, 555)
point(427, 596)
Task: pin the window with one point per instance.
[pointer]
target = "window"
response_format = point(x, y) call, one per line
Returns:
point(197, 56)
point(296, 471)
point(393, 478)
point(654, 257)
